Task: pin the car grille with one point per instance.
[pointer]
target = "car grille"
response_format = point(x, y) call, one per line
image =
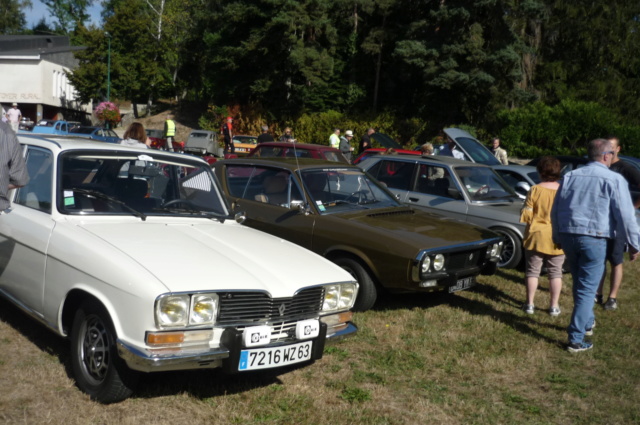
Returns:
point(251, 308)
point(467, 259)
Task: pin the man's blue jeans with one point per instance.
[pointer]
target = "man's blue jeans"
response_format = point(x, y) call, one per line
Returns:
point(586, 255)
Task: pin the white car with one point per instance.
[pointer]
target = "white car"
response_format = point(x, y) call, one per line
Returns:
point(132, 255)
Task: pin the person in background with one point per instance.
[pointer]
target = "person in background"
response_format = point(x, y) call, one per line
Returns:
point(287, 136)
point(334, 139)
point(426, 150)
point(498, 152)
point(593, 204)
point(265, 136)
point(538, 242)
point(450, 149)
point(617, 246)
point(135, 136)
point(4, 114)
point(365, 141)
point(227, 134)
point(13, 116)
point(13, 170)
point(345, 145)
point(169, 131)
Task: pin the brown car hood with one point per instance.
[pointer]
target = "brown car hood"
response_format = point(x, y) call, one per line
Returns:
point(408, 224)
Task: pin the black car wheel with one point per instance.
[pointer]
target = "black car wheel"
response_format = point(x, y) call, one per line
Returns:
point(511, 250)
point(367, 293)
point(96, 366)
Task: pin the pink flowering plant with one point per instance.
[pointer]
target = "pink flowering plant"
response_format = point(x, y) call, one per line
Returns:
point(108, 112)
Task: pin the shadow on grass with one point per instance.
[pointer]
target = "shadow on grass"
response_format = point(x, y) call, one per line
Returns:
point(201, 383)
point(513, 318)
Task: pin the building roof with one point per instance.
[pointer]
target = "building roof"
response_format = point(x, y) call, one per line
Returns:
point(54, 48)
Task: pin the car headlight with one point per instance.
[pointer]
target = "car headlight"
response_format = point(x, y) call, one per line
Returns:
point(426, 263)
point(438, 262)
point(339, 297)
point(203, 309)
point(184, 309)
point(172, 310)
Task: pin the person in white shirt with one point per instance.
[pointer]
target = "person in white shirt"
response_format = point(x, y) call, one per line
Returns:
point(14, 115)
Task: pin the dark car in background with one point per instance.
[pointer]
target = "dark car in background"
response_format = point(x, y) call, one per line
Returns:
point(95, 133)
point(462, 190)
point(297, 150)
point(339, 212)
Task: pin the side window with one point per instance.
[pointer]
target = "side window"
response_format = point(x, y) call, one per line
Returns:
point(433, 180)
point(268, 185)
point(511, 178)
point(37, 193)
point(396, 174)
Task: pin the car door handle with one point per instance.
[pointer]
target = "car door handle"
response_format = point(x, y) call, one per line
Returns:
point(413, 199)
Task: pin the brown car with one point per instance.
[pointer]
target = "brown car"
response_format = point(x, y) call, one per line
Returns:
point(338, 211)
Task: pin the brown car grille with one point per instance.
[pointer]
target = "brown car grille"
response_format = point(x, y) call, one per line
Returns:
point(466, 259)
point(249, 308)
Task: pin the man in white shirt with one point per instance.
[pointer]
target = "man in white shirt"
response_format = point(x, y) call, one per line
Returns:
point(14, 115)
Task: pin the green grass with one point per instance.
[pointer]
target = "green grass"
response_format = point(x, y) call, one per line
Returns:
point(469, 358)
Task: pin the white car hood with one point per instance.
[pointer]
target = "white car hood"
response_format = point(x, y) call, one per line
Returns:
point(218, 256)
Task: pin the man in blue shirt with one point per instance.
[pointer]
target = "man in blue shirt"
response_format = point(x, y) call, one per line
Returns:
point(593, 204)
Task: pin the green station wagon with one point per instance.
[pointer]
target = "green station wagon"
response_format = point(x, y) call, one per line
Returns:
point(341, 213)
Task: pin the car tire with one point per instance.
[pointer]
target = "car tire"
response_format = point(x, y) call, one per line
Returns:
point(367, 292)
point(97, 368)
point(511, 255)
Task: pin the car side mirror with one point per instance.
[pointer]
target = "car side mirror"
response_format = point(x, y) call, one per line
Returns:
point(300, 206)
point(522, 188)
point(240, 217)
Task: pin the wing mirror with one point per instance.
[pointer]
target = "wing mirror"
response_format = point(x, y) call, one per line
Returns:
point(522, 188)
point(300, 206)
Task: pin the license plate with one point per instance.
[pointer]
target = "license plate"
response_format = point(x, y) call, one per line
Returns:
point(462, 284)
point(265, 358)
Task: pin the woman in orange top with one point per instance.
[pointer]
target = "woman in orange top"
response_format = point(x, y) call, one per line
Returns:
point(538, 245)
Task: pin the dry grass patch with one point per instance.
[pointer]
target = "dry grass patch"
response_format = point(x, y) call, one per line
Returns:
point(469, 358)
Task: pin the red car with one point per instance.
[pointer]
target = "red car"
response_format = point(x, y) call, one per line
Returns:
point(377, 151)
point(300, 150)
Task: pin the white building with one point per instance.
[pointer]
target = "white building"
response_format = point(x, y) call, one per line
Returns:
point(32, 74)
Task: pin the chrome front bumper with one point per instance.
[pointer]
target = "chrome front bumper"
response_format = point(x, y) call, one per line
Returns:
point(145, 360)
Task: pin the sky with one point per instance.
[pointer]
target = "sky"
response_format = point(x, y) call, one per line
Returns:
point(39, 11)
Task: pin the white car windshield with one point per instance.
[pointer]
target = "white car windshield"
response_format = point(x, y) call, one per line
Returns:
point(335, 190)
point(133, 183)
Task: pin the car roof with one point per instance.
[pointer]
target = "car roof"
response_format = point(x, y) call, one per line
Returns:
point(289, 163)
point(64, 143)
point(199, 131)
point(303, 146)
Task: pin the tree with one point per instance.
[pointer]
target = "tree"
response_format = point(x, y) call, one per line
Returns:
point(12, 18)
point(68, 14)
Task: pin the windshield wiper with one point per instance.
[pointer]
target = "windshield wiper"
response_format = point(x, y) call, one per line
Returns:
point(192, 210)
point(100, 195)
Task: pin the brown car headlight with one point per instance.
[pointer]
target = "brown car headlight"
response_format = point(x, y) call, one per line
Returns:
point(438, 262)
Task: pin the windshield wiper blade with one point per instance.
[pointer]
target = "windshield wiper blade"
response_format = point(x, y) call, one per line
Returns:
point(209, 214)
point(100, 195)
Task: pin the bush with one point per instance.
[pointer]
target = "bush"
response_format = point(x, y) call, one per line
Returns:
point(563, 129)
